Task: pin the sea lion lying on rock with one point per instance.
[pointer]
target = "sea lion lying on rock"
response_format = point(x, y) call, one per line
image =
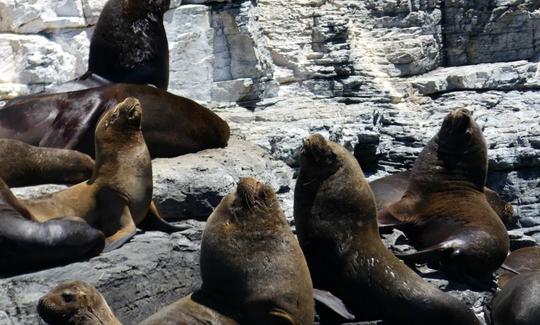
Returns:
point(28, 245)
point(173, 125)
point(24, 165)
point(518, 301)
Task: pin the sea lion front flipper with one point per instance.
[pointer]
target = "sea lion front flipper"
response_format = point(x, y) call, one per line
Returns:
point(115, 218)
point(70, 124)
point(332, 302)
point(398, 214)
point(153, 221)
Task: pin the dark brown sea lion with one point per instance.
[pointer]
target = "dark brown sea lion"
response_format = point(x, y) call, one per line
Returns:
point(26, 245)
point(518, 301)
point(172, 125)
point(334, 213)
point(252, 267)
point(520, 261)
point(23, 165)
point(79, 303)
point(389, 189)
point(444, 211)
point(129, 43)
point(118, 196)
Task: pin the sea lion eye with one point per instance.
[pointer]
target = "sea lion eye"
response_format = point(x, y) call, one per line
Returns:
point(68, 297)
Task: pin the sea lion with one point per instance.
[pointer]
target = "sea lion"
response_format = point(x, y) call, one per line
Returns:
point(252, 267)
point(79, 303)
point(23, 165)
point(27, 245)
point(334, 213)
point(444, 211)
point(129, 43)
point(520, 261)
point(75, 303)
point(389, 189)
point(118, 196)
point(173, 125)
point(519, 281)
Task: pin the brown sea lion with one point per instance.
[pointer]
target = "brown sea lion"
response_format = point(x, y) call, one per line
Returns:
point(75, 303)
point(26, 245)
point(172, 125)
point(335, 218)
point(518, 301)
point(129, 43)
point(444, 211)
point(520, 261)
point(389, 189)
point(118, 196)
point(79, 303)
point(252, 267)
point(23, 165)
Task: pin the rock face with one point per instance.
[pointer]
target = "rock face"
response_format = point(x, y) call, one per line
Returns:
point(377, 76)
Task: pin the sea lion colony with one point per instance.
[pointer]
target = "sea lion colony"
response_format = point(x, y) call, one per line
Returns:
point(254, 270)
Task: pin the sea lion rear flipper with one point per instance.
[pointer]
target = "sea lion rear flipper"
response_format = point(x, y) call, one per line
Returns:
point(332, 302)
point(153, 221)
point(70, 124)
point(427, 255)
point(280, 317)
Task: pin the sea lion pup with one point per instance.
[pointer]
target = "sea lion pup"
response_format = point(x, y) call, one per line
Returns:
point(23, 165)
point(79, 303)
point(518, 301)
point(389, 189)
point(129, 43)
point(118, 195)
point(252, 267)
point(27, 245)
point(444, 211)
point(334, 213)
point(75, 303)
point(172, 125)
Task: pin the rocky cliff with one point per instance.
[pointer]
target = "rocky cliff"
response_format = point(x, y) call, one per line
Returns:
point(376, 76)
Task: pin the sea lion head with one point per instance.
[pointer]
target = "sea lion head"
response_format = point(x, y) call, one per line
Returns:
point(125, 116)
point(317, 156)
point(252, 199)
point(458, 128)
point(140, 8)
point(75, 302)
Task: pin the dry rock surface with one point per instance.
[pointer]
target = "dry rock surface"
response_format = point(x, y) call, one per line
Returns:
point(376, 76)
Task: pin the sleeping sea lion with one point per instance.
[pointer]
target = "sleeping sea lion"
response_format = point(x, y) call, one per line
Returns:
point(444, 211)
point(517, 303)
point(118, 196)
point(129, 43)
point(389, 189)
point(23, 165)
point(27, 245)
point(173, 125)
point(334, 213)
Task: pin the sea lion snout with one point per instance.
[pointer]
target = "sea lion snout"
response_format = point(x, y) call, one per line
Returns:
point(316, 148)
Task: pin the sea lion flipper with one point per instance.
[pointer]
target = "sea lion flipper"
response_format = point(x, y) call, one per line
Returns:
point(153, 221)
point(69, 125)
point(427, 255)
point(280, 317)
point(117, 240)
point(332, 302)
